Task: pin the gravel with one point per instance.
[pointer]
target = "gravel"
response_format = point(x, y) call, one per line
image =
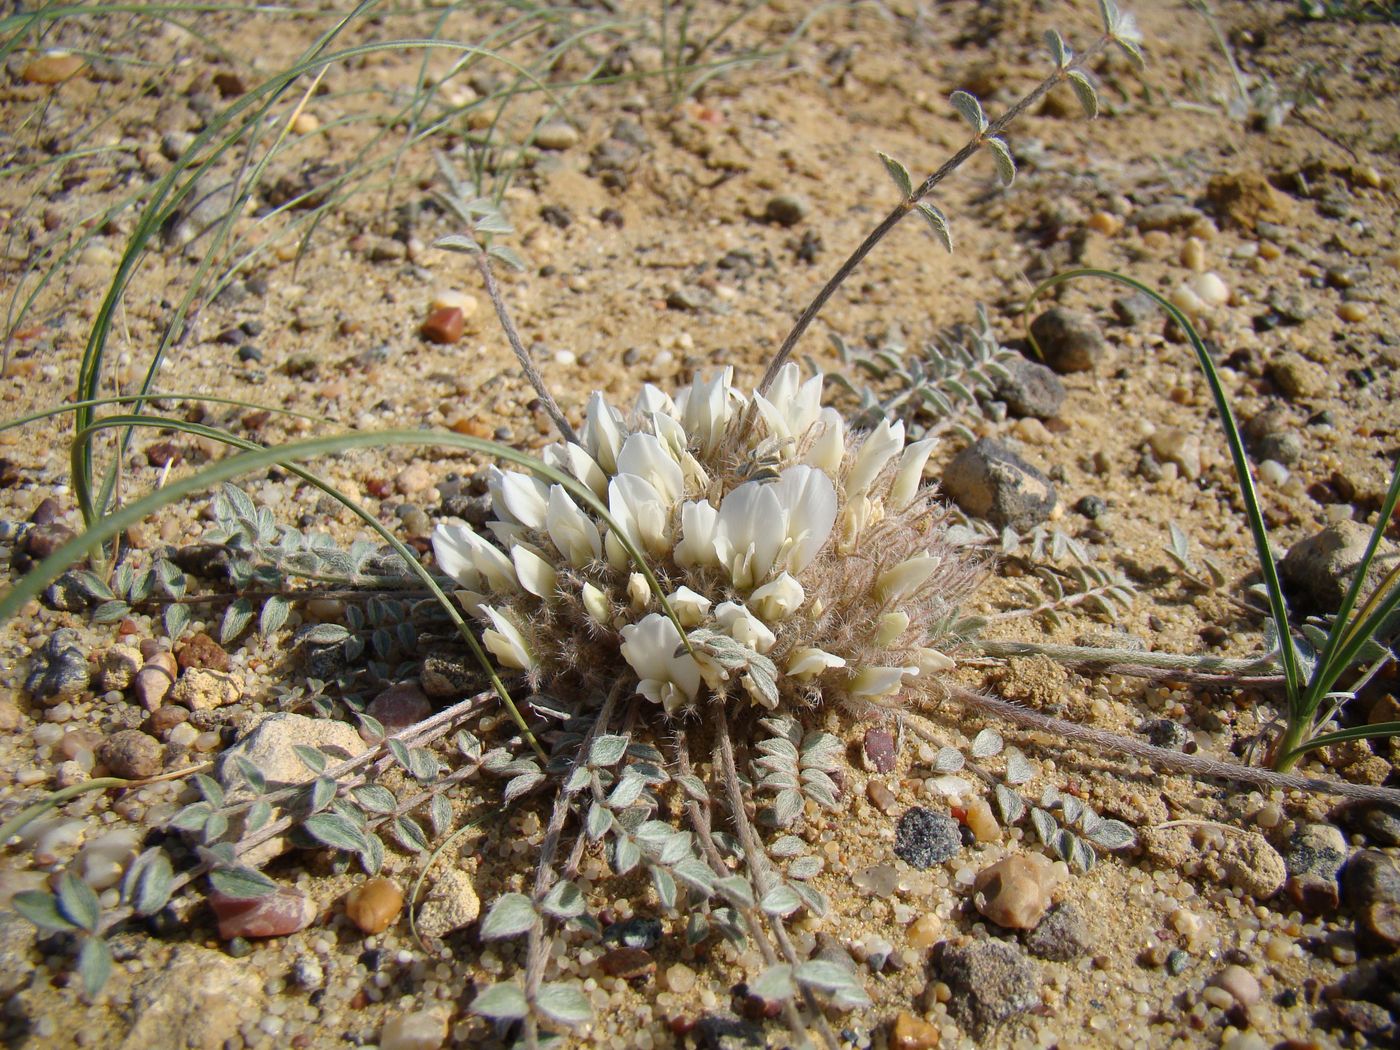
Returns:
point(924, 838)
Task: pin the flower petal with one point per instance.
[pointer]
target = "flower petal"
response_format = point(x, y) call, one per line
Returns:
point(806, 664)
point(910, 474)
point(506, 642)
point(453, 551)
point(879, 447)
point(778, 599)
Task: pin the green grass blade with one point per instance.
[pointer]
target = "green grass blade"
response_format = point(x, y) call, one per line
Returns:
point(1278, 605)
point(1341, 736)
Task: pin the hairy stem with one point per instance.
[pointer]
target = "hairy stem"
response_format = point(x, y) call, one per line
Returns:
point(527, 363)
point(904, 207)
point(1161, 758)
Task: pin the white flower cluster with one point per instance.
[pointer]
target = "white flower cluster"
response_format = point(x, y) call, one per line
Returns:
point(752, 513)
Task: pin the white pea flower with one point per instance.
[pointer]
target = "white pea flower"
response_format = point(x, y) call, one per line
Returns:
point(778, 599)
point(697, 543)
point(638, 592)
point(653, 401)
point(872, 682)
point(518, 498)
point(536, 575)
point(704, 409)
point(453, 551)
point(506, 642)
point(744, 627)
point(791, 407)
point(910, 474)
point(643, 456)
point(759, 521)
point(807, 663)
point(908, 576)
point(673, 437)
point(931, 661)
point(641, 513)
point(890, 626)
point(808, 501)
point(457, 542)
point(574, 459)
point(879, 447)
point(690, 606)
point(570, 530)
point(650, 648)
point(829, 447)
point(597, 605)
point(603, 433)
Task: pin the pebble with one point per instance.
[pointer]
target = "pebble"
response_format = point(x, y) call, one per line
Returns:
point(924, 932)
point(1372, 883)
point(1211, 289)
point(1193, 254)
point(1314, 856)
point(1069, 340)
point(420, 1030)
point(1166, 215)
point(131, 754)
point(443, 326)
point(400, 706)
point(1273, 473)
point(1241, 985)
point(1179, 446)
point(628, 964)
point(1092, 507)
point(990, 981)
point(60, 670)
point(1320, 567)
point(451, 904)
point(413, 479)
point(1379, 823)
point(1030, 389)
point(1015, 892)
point(285, 910)
point(878, 747)
point(556, 135)
point(881, 797)
point(988, 480)
point(1247, 199)
point(679, 978)
point(118, 667)
point(981, 821)
point(878, 880)
point(201, 689)
point(201, 651)
point(1353, 313)
point(924, 838)
point(304, 123)
point(1105, 223)
point(374, 905)
point(787, 209)
point(1134, 309)
point(912, 1033)
point(53, 68)
point(1297, 377)
point(452, 299)
point(1252, 865)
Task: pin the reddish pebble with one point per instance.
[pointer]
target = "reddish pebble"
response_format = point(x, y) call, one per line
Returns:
point(164, 453)
point(630, 964)
point(879, 749)
point(399, 707)
point(53, 69)
point(202, 651)
point(443, 326)
point(281, 912)
point(375, 905)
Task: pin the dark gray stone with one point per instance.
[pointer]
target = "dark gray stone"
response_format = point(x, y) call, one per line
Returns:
point(1060, 936)
point(988, 480)
point(1071, 341)
point(634, 933)
point(1270, 435)
point(446, 676)
point(1030, 389)
point(924, 838)
point(60, 670)
point(787, 209)
point(727, 1033)
point(1134, 309)
point(1379, 823)
point(1164, 732)
point(991, 981)
point(1371, 877)
point(1168, 215)
point(68, 593)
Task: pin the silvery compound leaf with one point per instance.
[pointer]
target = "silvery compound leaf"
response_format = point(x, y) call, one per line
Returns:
point(694, 787)
point(509, 916)
point(41, 909)
point(1050, 797)
point(1064, 844)
point(374, 798)
point(1088, 821)
point(899, 173)
point(372, 856)
point(1011, 805)
point(1018, 767)
point(1045, 825)
point(1113, 834)
point(774, 985)
point(938, 223)
point(696, 874)
point(323, 791)
point(786, 807)
point(971, 110)
point(311, 758)
point(987, 743)
point(175, 619)
point(1059, 50)
point(577, 780)
point(781, 901)
point(147, 884)
point(241, 883)
point(564, 1003)
point(948, 760)
point(333, 829)
point(805, 867)
point(628, 790)
point(813, 898)
point(824, 974)
point(521, 785)
point(599, 821)
point(501, 1002)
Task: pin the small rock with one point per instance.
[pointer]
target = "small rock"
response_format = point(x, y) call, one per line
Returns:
point(1092, 507)
point(413, 479)
point(1069, 340)
point(1167, 215)
point(60, 671)
point(982, 822)
point(68, 593)
point(443, 326)
point(881, 797)
point(1372, 887)
point(556, 135)
point(1353, 312)
point(1167, 733)
point(1297, 377)
point(1320, 568)
point(400, 706)
point(131, 754)
point(375, 905)
point(912, 1033)
point(1061, 935)
point(686, 297)
point(629, 964)
point(1250, 864)
point(53, 68)
point(308, 974)
point(201, 651)
point(1246, 199)
point(679, 979)
point(1210, 289)
point(1367, 1019)
point(634, 933)
point(11, 716)
point(879, 750)
point(988, 480)
point(1015, 892)
point(924, 838)
point(153, 682)
point(420, 1030)
point(1270, 437)
point(1030, 389)
point(118, 667)
point(200, 994)
point(451, 904)
point(285, 910)
point(990, 980)
point(1175, 445)
point(1134, 309)
point(1315, 855)
point(787, 209)
point(1379, 823)
point(727, 1033)
point(1242, 985)
point(200, 689)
